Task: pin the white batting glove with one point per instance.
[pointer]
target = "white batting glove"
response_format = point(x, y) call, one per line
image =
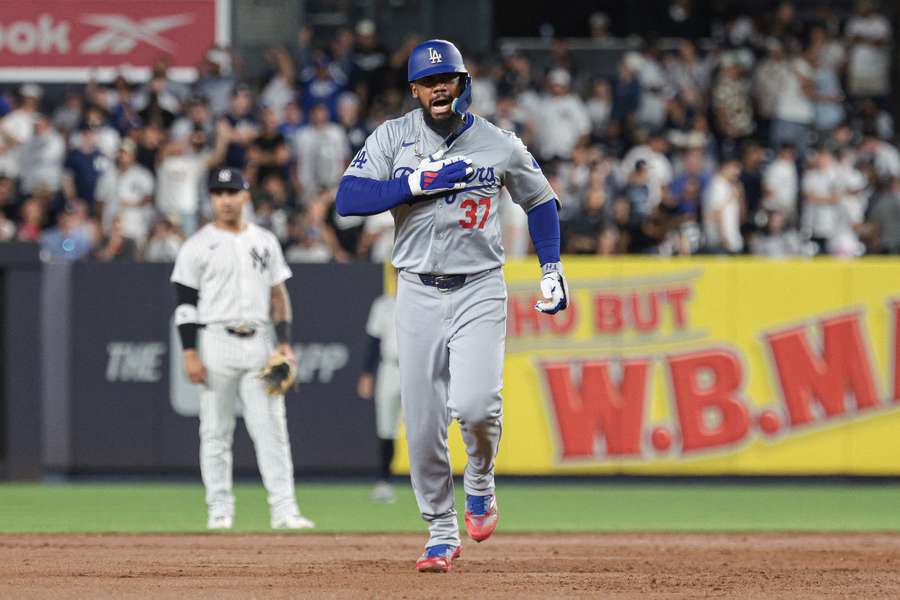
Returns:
point(554, 289)
point(437, 175)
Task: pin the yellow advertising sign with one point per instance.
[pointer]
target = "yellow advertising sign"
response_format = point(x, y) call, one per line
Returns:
point(706, 366)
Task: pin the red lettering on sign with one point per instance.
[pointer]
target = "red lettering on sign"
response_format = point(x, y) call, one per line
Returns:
point(806, 375)
point(522, 316)
point(608, 309)
point(599, 407)
point(649, 321)
point(677, 298)
point(697, 400)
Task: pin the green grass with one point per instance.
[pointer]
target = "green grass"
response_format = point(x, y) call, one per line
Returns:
point(345, 508)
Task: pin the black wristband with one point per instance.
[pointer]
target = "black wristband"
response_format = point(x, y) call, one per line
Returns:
point(283, 332)
point(188, 334)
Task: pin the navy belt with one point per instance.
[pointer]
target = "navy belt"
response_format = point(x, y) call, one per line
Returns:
point(241, 332)
point(443, 282)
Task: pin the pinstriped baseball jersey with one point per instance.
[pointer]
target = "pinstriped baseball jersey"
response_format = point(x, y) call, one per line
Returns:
point(457, 233)
point(233, 272)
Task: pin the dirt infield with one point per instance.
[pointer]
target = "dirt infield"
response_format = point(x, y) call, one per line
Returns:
point(509, 566)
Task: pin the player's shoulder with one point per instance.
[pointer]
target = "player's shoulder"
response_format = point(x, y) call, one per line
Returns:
point(393, 130)
point(503, 137)
point(263, 234)
point(199, 237)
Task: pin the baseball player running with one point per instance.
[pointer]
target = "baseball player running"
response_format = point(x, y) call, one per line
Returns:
point(439, 169)
point(229, 279)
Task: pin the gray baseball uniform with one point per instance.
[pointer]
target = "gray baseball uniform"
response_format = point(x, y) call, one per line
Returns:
point(451, 343)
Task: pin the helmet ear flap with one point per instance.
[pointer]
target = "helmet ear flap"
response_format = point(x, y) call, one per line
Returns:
point(461, 103)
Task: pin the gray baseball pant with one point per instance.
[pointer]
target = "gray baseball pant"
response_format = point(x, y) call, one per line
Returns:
point(451, 346)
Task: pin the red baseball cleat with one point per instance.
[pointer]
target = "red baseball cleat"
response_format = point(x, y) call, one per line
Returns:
point(437, 559)
point(481, 516)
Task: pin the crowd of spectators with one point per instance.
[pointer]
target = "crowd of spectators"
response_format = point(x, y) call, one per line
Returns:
point(772, 137)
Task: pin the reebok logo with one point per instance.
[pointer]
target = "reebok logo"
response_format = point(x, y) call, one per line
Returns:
point(120, 34)
point(41, 36)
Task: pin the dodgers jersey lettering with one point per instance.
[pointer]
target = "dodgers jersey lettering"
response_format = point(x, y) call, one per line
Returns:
point(233, 272)
point(458, 233)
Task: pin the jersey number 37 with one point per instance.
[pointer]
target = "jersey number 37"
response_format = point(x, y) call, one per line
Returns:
point(471, 206)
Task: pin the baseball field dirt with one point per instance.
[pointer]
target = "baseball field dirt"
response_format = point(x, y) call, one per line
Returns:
point(641, 565)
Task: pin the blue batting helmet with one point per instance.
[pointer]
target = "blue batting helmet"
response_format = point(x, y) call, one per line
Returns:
point(440, 56)
point(432, 57)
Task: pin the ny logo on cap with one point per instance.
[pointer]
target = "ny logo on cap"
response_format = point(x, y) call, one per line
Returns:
point(434, 56)
point(224, 176)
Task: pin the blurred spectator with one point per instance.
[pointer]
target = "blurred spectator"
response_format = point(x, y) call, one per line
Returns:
point(751, 179)
point(883, 222)
point(16, 128)
point(163, 243)
point(279, 91)
point(182, 175)
point(243, 128)
point(659, 169)
point(71, 239)
point(821, 215)
point(350, 119)
point(769, 79)
point(115, 246)
point(292, 121)
point(794, 112)
point(42, 158)
point(342, 234)
point(68, 115)
point(306, 236)
point(33, 220)
point(731, 106)
point(776, 241)
point(723, 208)
point(322, 152)
point(197, 118)
point(781, 183)
point(322, 83)
point(599, 107)
point(377, 239)
point(216, 82)
point(83, 166)
point(484, 90)
point(107, 138)
point(269, 153)
point(562, 119)
point(585, 230)
point(126, 191)
point(370, 61)
point(655, 92)
point(869, 37)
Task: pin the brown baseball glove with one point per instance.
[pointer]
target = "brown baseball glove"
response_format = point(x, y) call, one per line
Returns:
point(279, 374)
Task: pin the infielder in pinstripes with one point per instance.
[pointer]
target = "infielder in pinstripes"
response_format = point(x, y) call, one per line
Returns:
point(439, 169)
point(229, 278)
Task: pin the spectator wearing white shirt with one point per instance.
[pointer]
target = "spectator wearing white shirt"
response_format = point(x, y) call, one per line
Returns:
point(126, 191)
point(163, 243)
point(869, 36)
point(42, 158)
point(322, 152)
point(16, 128)
point(781, 183)
point(182, 174)
point(562, 121)
point(794, 112)
point(723, 208)
point(821, 220)
point(108, 138)
point(659, 174)
point(884, 156)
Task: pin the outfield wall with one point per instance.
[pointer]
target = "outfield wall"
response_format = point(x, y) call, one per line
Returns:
point(696, 367)
point(705, 366)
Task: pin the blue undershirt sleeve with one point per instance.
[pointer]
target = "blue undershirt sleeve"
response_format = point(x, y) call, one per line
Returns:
point(362, 196)
point(543, 225)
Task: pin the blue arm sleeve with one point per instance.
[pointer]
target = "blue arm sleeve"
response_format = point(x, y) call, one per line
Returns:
point(363, 196)
point(543, 225)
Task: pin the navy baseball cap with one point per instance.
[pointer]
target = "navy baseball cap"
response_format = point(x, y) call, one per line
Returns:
point(227, 179)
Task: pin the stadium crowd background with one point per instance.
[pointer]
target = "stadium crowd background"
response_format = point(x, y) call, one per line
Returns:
point(772, 139)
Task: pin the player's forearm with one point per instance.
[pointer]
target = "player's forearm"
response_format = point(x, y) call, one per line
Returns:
point(373, 354)
point(543, 226)
point(282, 313)
point(363, 196)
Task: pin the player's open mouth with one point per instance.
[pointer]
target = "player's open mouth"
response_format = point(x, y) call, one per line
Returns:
point(440, 106)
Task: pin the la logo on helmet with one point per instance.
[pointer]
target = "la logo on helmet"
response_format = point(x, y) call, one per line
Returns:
point(434, 56)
